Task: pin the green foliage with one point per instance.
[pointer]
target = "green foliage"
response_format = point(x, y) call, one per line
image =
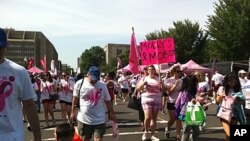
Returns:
point(111, 66)
point(93, 56)
point(230, 30)
point(190, 40)
point(125, 58)
point(157, 35)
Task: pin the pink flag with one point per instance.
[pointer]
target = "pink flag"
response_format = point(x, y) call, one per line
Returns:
point(45, 62)
point(133, 58)
point(30, 63)
point(42, 63)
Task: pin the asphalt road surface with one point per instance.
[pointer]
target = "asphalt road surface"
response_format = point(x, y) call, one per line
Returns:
point(129, 126)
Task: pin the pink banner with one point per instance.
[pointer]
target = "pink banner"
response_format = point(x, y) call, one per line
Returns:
point(157, 51)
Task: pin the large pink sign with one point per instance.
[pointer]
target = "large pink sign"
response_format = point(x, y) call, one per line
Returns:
point(157, 51)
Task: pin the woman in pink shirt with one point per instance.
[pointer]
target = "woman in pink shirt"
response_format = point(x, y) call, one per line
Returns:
point(151, 100)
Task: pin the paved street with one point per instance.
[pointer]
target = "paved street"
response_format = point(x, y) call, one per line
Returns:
point(130, 127)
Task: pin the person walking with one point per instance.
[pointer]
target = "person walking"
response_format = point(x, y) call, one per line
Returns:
point(217, 81)
point(173, 86)
point(66, 95)
point(242, 77)
point(124, 85)
point(231, 86)
point(48, 88)
point(35, 87)
point(151, 100)
point(38, 82)
point(246, 92)
point(187, 94)
point(91, 116)
point(141, 116)
point(16, 90)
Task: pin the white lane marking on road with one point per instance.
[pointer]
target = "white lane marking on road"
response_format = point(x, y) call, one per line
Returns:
point(119, 124)
point(137, 133)
point(138, 123)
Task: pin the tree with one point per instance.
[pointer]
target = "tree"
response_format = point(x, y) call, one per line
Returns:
point(93, 56)
point(230, 30)
point(190, 40)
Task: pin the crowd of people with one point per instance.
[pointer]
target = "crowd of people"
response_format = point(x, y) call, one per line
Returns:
point(82, 100)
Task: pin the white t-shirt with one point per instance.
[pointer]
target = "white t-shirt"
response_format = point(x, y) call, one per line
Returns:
point(242, 81)
point(133, 82)
point(92, 108)
point(67, 93)
point(246, 92)
point(47, 88)
point(202, 88)
point(169, 83)
point(15, 86)
point(123, 81)
point(217, 78)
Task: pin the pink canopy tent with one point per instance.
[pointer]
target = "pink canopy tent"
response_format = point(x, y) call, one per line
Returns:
point(191, 66)
point(35, 70)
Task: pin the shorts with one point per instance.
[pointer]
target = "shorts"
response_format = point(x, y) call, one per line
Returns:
point(164, 94)
point(124, 90)
point(48, 101)
point(67, 103)
point(170, 106)
point(87, 131)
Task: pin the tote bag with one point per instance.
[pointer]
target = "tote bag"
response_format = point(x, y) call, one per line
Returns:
point(225, 111)
point(195, 114)
point(134, 103)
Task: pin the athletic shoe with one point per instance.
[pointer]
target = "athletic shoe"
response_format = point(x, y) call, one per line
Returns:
point(167, 132)
point(144, 137)
point(28, 127)
point(154, 138)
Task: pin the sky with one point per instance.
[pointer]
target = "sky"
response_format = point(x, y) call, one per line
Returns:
point(73, 26)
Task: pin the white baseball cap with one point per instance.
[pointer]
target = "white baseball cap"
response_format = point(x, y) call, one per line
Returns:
point(242, 71)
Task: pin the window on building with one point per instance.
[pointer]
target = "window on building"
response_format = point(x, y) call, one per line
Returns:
point(119, 52)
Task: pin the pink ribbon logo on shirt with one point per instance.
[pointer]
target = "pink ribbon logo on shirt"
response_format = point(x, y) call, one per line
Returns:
point(6, 89)
point(94, 96)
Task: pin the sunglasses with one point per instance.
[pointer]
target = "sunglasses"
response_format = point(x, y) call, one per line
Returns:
point(151, 69)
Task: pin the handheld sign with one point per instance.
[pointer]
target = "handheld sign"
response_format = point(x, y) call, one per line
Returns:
point(157, 51)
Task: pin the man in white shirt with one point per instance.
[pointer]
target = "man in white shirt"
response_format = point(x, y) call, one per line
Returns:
point(92, 94)
point(217, 81)
point(15, 90)
point(242, 77)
